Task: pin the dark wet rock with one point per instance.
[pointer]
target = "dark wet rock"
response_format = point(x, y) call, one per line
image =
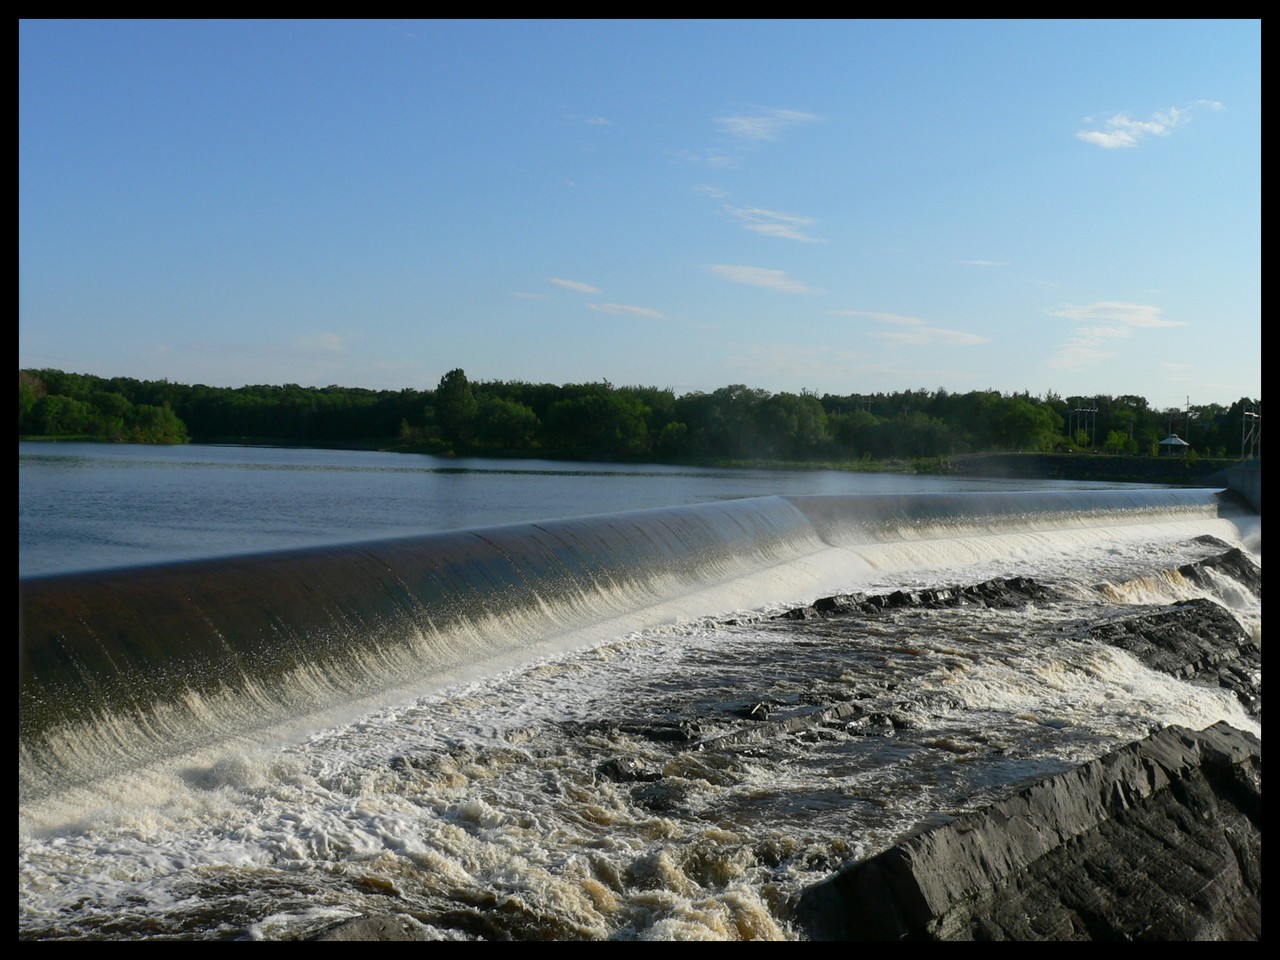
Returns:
point(664, 796)
point(1211, 541)
point(1197, 640)
point(628, 770)
point(844, 603)
point(373, 928)
point(801, 613)
point(750, 710)
point(1236, 564)
point(788, 722)
point(665, 731)
point(1159, 840)
point(998, 593)
point(873, 725)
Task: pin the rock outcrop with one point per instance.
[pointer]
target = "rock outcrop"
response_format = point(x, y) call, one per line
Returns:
point(999, 593)
point(1160, 840)
point(1235, 563)
point(1197, 640)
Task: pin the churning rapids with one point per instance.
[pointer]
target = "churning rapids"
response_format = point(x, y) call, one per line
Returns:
point(581, 729)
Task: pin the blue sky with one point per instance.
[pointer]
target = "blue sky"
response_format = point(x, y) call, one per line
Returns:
point(843, 207)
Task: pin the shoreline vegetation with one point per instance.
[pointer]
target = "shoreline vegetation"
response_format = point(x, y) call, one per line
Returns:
point(981, 433)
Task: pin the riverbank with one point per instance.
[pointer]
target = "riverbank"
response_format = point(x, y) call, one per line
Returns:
point(1188, 471)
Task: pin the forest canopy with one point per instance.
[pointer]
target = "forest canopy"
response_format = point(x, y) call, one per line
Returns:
point(601, 421)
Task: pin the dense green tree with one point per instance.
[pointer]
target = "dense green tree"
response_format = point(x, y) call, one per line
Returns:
point(59, 415)
point(913, 434)
point(505, 424)
point(791, 426)
point(1019, 424)
point(854, 432)
point(157, 425)
point(30, 390)
point(672, 439)
point(1115, 442)
point(601, 422)
point(456, 407)
point(598, 419)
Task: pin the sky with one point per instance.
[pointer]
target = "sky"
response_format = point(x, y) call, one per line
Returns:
point(842, 207)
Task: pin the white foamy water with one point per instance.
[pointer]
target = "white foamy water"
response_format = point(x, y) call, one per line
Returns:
point(490, 805)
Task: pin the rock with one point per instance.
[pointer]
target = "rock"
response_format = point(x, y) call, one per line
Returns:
point(373, 928)
point(999, 593)
point(628, 770)
point(1235, 564)
point(1159, 840)
point(844, 603)
point(1197, 640)
point(664, 796)
point(756, 710)
point(665, 731)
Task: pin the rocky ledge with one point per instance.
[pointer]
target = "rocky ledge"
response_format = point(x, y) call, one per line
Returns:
point(999, 593)
point(1197, 640)
point(1160, 840)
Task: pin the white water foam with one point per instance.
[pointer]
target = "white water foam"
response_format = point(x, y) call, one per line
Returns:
point(478, 797)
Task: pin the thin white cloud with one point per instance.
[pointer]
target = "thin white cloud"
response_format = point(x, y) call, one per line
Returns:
point(767, 223)
point(1117, 311)
point(804, 363)
point(760, 277)
point(628, 310)
point(576, 285)
point(983, 263)
point(711, 158)
point(1075, 354)
point(771, 223)
point(321, 343)
point(914, 331)
point(1121, 130)
point(590, 120)
point(1099, 325)
point(876, 315)
point(746, 130)
point(763, 124)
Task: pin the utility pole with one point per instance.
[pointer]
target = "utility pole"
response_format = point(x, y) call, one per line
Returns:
point(1251, 432)
point(1087, 415)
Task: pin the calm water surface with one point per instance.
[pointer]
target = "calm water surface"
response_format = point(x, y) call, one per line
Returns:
point(85, 506)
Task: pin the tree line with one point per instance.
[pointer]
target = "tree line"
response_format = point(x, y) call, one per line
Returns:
point(599, 420)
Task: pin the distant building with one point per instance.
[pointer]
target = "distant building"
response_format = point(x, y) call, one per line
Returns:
point(1174, 445)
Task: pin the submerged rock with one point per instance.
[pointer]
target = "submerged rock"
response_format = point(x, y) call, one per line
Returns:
point(628, 770)
point(373, 929)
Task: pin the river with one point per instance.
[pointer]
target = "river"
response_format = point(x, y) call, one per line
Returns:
point(577, 752)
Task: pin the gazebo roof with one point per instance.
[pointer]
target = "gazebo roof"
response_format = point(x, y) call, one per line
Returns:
point(1173, 440)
